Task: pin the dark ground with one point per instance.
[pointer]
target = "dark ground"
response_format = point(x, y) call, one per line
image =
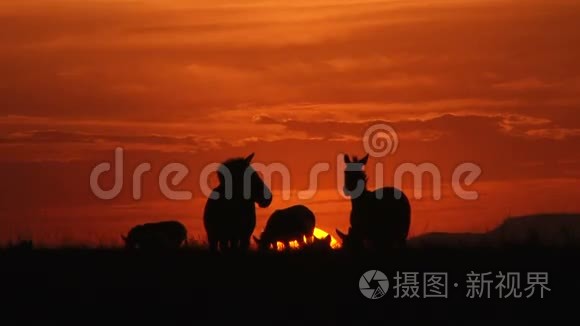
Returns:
point(193, 287)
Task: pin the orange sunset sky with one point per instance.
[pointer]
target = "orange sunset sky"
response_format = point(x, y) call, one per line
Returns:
point(495, 82)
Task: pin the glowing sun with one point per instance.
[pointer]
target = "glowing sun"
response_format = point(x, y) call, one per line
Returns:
point(318, 234)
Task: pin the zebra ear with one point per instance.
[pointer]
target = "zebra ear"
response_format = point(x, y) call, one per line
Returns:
point(364, 159)
point(346, 159)
point(249, 158)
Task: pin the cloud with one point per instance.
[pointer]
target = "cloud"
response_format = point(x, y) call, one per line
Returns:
point(56, 137)
point(427, 129)
point(554, 133)
point(182, 60)
point(524, 84)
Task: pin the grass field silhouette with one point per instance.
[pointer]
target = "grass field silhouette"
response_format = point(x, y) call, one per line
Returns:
point(275, 287)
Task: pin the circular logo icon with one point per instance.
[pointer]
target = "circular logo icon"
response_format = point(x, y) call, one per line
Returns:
point(380, 140)
point(373, 284)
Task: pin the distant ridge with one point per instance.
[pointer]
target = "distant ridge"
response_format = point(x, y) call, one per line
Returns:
point(549, 229)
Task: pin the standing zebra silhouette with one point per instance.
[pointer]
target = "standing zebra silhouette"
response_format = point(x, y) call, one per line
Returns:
point(379, 219)
point(230, 212)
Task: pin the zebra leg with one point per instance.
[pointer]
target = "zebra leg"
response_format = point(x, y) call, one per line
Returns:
point(223, 245)
point(233, 244)
point(213, 245)
point(306, 240)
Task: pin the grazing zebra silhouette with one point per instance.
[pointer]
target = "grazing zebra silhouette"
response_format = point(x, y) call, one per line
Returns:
point(286, 225)
point(156, 235)
point(379, 219)
point(230, 212)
